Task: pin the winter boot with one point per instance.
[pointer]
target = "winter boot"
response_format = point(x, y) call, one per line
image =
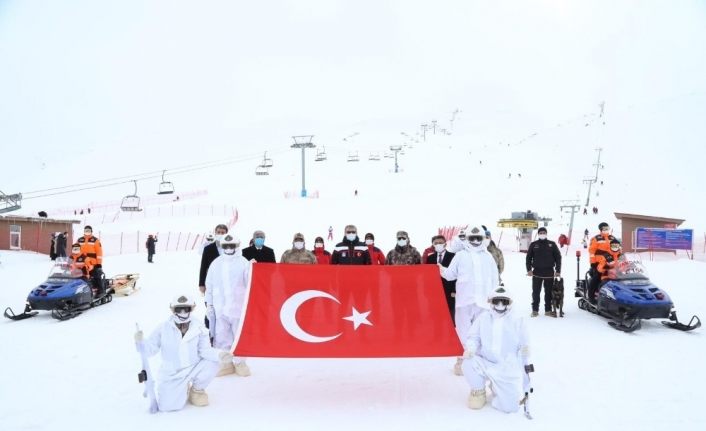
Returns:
point(550, 313)
point(227, 368)
point(457, 367)
point(534, 314)
point(198, 397)
point(476, 400)
point(242, 369)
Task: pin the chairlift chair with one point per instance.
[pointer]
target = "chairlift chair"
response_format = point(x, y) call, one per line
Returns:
point(131, 202)
point(320, 155)
point(374, 156)
point(261, 170)
point(165, 187)
point(266, 162)
point(353, 157)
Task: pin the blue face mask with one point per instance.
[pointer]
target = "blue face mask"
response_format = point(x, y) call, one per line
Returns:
point(259, 242)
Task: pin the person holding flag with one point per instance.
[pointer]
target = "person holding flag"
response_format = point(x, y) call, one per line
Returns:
point(226, 285)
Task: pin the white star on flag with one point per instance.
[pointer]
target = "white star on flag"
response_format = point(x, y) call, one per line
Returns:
point(358, 318)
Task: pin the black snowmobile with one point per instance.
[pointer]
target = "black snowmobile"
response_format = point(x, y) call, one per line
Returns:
point(66, 293)
point(628, 298)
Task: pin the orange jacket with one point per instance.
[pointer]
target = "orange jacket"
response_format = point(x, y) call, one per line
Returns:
point(606, 261)
point(599, 242)
point(83, 263)
point(91, 247)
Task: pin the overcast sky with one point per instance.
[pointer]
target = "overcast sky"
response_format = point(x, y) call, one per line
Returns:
point(101, 87)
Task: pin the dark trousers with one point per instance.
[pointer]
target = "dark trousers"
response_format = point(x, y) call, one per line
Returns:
point(537, 282)
point(593, 285)
point(451, 301)
point(149, 256)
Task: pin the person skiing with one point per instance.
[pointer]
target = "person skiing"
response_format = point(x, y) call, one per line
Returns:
point(226, 284)
point(298, 254)
point(330, 233)
point(543, 264)
point(189, 363)
point(377, 257)
point(403, 253)
point(350, 251)
point(497, 352)
point(476, 275)
point(150, 245)
point(323, 257)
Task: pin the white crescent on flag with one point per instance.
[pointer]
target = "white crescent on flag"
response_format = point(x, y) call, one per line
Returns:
point(287, 315)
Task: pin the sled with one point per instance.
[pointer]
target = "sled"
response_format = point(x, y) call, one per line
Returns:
point(124, 284)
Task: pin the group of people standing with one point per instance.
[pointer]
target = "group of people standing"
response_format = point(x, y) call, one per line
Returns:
point(496, 342)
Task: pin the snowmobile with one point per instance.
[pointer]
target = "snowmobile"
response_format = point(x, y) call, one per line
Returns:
point(628, 297)
point(67, 292)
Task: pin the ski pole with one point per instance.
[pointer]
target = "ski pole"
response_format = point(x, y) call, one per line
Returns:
point(145, 375)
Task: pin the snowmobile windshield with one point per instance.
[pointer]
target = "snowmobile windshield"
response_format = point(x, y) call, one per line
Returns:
point(630, 270)
point(64, 270)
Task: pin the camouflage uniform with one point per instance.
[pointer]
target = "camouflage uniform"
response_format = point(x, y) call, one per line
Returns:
point(298, 256)
point(406, 255)
point(498, 256)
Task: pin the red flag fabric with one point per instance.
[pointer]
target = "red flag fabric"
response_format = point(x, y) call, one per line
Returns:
point(340, 311)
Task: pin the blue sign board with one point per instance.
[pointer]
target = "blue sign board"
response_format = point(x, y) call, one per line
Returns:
point(665, 239)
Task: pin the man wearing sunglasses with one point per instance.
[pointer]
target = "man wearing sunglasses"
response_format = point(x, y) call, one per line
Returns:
point(350, 251)
point(403, 253)
point(497, 352)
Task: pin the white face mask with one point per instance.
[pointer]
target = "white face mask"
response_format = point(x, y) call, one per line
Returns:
point(542, 237)
point(182, 317)
point(218, 237)
point(299, 245)
point(439, 247)
point(500, 308)
point(351, 236)
point(319, 245)
point(369, 242)
point(229, 251)
point(475, 243)
point(402, 242)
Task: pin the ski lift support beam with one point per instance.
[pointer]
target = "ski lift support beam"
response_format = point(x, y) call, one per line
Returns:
point(10, 202)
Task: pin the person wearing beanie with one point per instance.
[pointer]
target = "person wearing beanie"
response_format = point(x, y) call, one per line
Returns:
point(403, 253)
point(543, 264)
point(600, 244)
point(258, 251)
point(377, 257)
point(298, 254)
point(323, 257)
point(350, 251)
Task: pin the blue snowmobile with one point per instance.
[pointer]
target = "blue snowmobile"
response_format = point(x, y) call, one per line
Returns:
point(67, 292)
point(629, 297)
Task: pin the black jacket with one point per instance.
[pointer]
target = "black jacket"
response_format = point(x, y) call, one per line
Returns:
point(265, 254)
point(543, 256)
point(350, 253)
point(150, 244)
point(210, 253)
point(449, 286)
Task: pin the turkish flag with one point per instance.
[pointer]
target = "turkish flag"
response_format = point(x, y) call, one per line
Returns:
point(345, 311)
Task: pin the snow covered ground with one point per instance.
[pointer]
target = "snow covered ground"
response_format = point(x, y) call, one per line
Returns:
point(82, 372)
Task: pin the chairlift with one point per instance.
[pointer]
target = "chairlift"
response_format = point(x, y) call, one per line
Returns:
point(266, 162)
point(165, 187)
point(320, 155)
point(389, 156)
point(353, 156)
point(261, 170)
point(374, 156)
point(131, 202)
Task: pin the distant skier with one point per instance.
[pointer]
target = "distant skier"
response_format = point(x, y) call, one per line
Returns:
point(330, 233)
point(189, 363)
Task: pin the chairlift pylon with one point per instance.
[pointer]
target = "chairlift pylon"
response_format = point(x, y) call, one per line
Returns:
point(10, 202)
point(165, 187)
point(131, 202)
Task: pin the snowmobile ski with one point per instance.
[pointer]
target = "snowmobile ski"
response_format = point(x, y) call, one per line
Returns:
point(626, 325)
point(69, 312)
point(674, 323)
point(25, 315)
